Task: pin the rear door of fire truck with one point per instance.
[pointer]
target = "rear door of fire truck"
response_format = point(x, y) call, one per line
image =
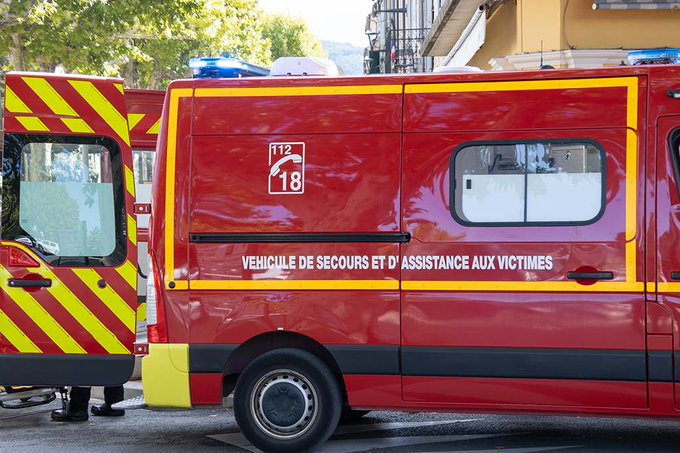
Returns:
point(68, 252)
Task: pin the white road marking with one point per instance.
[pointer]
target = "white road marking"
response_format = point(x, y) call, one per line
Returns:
point(514, 450)
point(359, 445)
point(348, 445)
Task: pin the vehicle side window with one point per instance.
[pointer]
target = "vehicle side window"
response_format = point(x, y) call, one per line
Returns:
point(674, 143)
point(143, 162)
point(531, 183)
point(63, 197)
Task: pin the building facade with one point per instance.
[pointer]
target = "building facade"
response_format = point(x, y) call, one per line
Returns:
point(525, 34)
point(396, 30)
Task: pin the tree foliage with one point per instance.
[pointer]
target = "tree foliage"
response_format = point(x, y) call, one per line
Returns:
point(147, 42)
point(290, 37)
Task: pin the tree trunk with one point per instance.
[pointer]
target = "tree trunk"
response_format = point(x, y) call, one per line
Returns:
point(17, 53)
point(130, 75)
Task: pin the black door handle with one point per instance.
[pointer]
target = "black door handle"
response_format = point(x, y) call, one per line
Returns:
point(21, 283)
point(590, 275)
point(675, 275)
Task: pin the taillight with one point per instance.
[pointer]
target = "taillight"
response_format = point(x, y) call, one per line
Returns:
point(18, 258)
point(155, 315)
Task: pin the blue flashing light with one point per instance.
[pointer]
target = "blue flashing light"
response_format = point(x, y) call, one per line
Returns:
point(654, 56)
point(196, 63)
point(224, 67)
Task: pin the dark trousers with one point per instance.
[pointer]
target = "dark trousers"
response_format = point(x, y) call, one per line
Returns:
point(80, 396)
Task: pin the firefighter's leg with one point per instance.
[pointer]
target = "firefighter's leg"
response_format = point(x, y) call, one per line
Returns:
point(76, 408)
point(112, 395)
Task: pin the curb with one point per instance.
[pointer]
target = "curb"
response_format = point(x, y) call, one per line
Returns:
point(132, 389)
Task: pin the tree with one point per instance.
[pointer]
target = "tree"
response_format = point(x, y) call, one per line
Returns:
point(146, 42)
point(80, 35)
point(154, 58)
point(290, 37)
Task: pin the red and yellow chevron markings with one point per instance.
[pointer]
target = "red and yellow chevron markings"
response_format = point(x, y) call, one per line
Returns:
point(103, 107)
point(141, 121)
point(31, 306)
point(66, 105)
point(129, 273)
point(153, 130)
point(109, 297)
point(16, 337)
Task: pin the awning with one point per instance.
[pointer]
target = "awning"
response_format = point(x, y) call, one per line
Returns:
point(452, 19)
point(636, 4)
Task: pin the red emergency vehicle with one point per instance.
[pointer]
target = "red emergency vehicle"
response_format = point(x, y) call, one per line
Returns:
point(472, 242)
point(69, 238)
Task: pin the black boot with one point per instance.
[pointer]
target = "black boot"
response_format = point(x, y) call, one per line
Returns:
point(69, 415)
point(106, 411)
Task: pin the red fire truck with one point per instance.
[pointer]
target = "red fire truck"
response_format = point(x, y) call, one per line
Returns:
point(69, 239)
point(475, 242)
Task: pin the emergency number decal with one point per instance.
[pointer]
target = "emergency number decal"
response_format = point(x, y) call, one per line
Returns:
point(286, 168)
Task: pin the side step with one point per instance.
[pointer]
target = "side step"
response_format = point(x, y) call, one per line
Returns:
point(133, 403)
point(27, 398)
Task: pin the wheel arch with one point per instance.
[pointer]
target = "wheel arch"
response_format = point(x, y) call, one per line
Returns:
point(243, 355)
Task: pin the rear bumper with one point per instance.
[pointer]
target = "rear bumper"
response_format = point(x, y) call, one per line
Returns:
point(165, 376)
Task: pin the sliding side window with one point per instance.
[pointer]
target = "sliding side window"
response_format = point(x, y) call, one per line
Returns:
point(532, 183)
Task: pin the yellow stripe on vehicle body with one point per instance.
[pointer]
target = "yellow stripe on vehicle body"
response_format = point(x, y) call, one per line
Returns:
point(521, 85)
point(134, 119)
point(129, 273)
point(668, 287)
point(291, 285)
point(522, 286)
point(630, 83)
point(631, 86)
point(16, 337)
point(141, 312)
point(298, 91)
point(42, 319)
point(408, 285)
point(49, 96)
point(129, 181)
point(169, 240)
point(153, 130)
point(103, 107)
point(108, 296)
point(132, 229)
point(77, 125)
point(13, 104)
point(32, 124)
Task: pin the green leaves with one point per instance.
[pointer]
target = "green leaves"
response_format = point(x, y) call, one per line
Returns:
point(290, 37)
point(146, 42)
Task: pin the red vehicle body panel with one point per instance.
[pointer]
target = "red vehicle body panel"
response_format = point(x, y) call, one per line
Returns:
point(144, 114)
point(377, 162)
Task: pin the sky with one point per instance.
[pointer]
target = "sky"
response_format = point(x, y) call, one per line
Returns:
point(330, 20)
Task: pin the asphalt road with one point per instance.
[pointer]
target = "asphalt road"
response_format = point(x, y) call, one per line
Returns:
point(30, 430)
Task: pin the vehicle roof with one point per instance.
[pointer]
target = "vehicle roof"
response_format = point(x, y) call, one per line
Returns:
point(489, 76)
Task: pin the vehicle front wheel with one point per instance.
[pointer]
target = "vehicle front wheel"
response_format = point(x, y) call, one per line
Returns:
point(287, 400)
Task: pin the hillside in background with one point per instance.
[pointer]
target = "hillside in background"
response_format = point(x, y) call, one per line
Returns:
point(350, 58)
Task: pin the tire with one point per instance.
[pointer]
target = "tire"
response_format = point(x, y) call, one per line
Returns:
point(349, 415)
point(267, 401)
